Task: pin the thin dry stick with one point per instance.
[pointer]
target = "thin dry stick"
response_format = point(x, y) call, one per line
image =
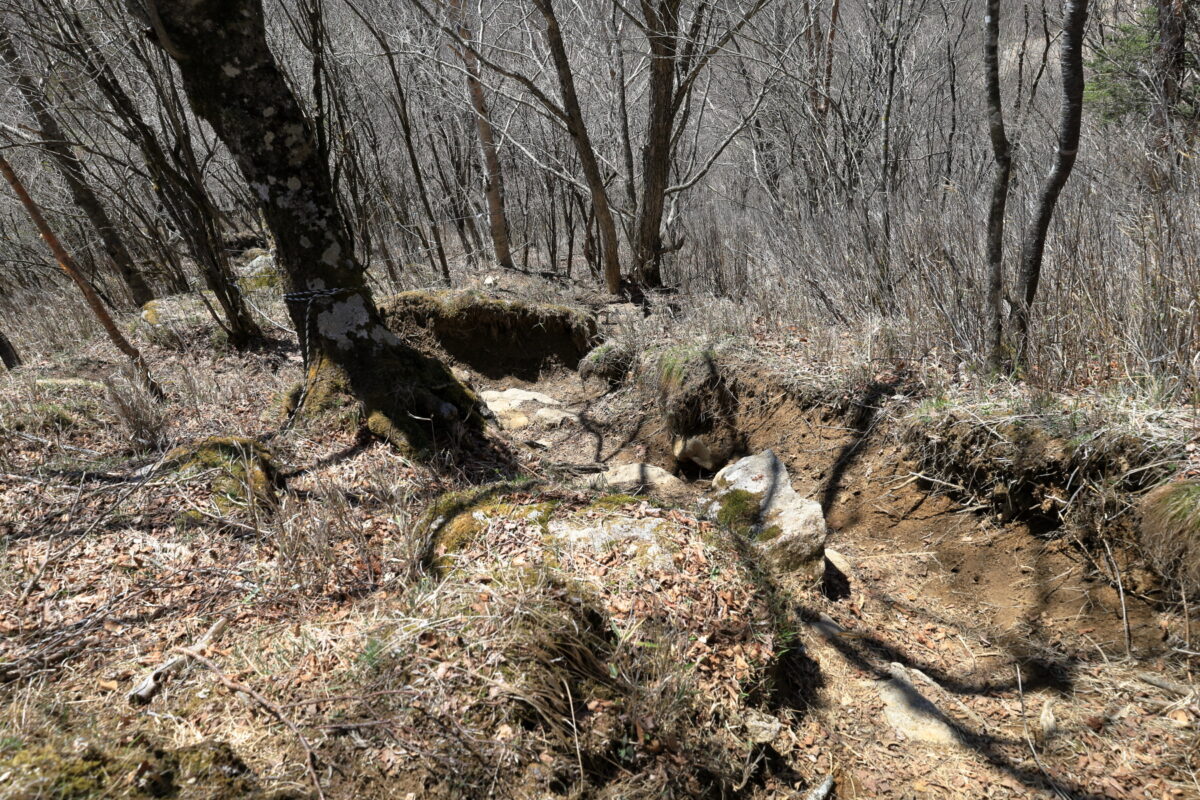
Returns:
point(1120, 594)
point(152, 683)
point(575, 731)
point(55, 555)
point(1029, 740)
point(310, 761)
point(68, 265)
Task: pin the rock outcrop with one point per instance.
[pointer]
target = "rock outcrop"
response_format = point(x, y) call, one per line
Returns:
point(755, 498)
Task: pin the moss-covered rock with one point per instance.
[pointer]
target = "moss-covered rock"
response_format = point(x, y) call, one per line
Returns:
point(241, 471)
point(698, 406)
point(454, 521)
point(737, 511)
point(494, 337)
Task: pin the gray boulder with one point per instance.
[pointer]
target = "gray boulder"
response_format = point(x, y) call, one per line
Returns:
point(754, 496)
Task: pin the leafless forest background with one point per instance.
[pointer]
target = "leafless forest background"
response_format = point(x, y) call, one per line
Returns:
point(829, 165)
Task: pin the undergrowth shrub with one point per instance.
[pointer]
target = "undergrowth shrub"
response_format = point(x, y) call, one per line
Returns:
point(142, 418)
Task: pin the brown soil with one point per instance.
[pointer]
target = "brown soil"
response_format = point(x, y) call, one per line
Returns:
point(495, 338)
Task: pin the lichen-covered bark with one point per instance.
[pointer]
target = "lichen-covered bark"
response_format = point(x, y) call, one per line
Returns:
point(232, 81)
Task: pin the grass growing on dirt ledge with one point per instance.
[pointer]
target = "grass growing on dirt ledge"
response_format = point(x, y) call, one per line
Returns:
point(494, 337)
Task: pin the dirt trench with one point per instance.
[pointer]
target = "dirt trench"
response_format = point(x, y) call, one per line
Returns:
point(1004, 617)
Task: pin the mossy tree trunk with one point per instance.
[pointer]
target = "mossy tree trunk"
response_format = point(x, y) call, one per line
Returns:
point(233, 81)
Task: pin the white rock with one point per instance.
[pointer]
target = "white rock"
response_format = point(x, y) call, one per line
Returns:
point(554, 417)
point(910, 713)
point(639, 479)
point(793, 527)
point(515, 397)
point(700, 451)
point(607, 533)
point(838, 561)
point(505, 405)
point(262, 265)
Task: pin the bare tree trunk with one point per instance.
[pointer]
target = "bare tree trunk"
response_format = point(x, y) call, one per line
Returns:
point(68, 265)
point(1001, 151)
point(1171, 58)
point(583, 144)
point(400, 102)
point(1070, 118)
point(178, 184)
point(234, 82)
point(69, 166)
point(662, 32)
point(8, 354)
point(494, 190)
point(827, 78)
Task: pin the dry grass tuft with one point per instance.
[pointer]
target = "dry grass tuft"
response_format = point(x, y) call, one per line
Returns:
point(1170, 533)
point(143, 419)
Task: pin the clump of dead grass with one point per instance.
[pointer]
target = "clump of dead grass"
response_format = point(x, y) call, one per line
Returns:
point(1170, 533)
point(143, 418)
point(608, 650)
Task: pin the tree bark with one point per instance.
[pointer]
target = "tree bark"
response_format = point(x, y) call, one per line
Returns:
point(8, 354)
point(1070, 118)
point(234, 82)
point(1171, 57)
point(72, 172)
point(662, 23)
point(494, 189)
point(1002, 153)
point(583, 145)
point(179, 186)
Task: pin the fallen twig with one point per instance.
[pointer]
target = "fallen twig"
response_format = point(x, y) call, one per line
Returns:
point(310, 761)
point(1180, 689)
point(54, 555)
point(152, 683)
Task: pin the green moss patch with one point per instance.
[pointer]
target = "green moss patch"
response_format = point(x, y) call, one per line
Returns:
point(209, 770)
point(738, 510)
point(241, 471)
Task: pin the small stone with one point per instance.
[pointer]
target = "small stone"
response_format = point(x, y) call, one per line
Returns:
point(641, 478)
point(838, 561)
point(702, 451)
point(554, 417)
point(761, 728)
point(516, 397)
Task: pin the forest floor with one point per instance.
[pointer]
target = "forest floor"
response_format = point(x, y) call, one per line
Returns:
point(109, 563)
